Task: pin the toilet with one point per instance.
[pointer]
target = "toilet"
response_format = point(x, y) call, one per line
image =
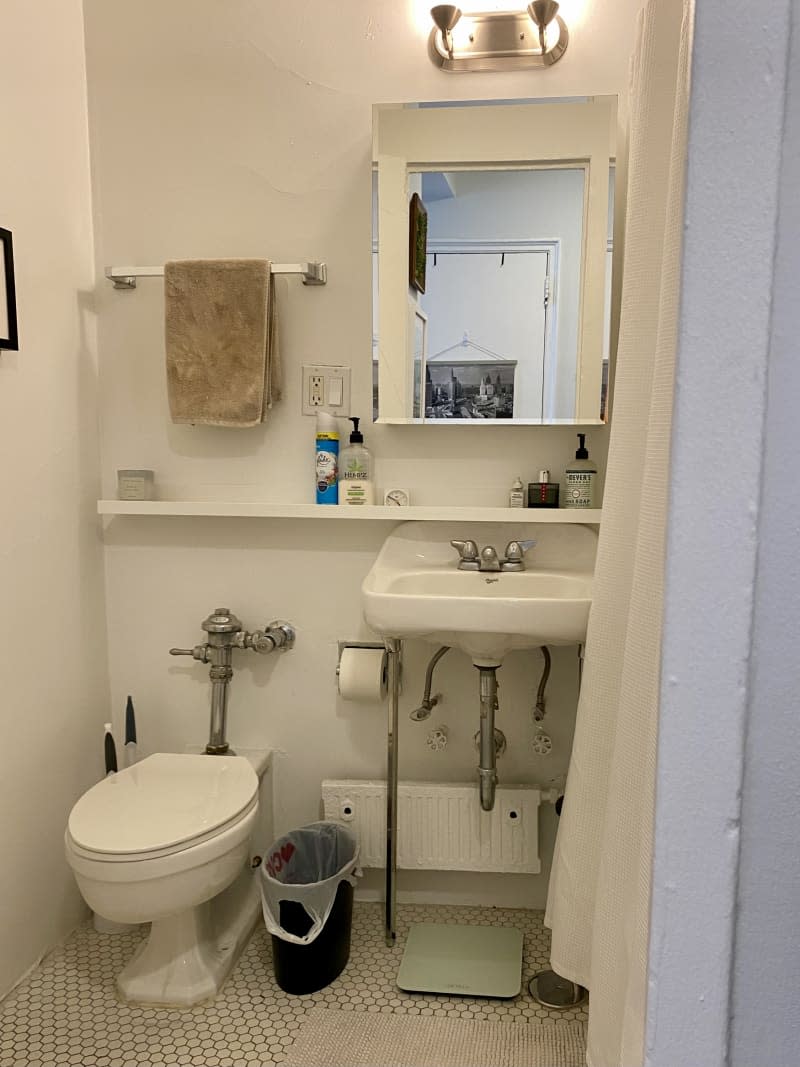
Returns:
point(168, 841)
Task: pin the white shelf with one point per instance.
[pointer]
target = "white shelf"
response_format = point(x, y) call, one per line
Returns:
point(259, 510)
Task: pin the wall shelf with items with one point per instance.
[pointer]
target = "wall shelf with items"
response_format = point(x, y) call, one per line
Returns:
point(259, 510)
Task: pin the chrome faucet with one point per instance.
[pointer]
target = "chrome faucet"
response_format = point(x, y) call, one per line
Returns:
point(225, 633)
point(487, 560)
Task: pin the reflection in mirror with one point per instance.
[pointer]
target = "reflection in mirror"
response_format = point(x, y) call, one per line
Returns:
point(491, 272)
point(493, 347)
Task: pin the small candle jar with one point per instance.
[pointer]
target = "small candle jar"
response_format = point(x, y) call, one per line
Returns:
point(135, 485)
point(544, 493)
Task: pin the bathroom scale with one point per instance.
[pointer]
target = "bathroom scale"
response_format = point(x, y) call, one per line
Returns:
point(468, 961)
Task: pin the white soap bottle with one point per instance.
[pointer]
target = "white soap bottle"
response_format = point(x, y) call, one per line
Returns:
point(356, 486)
point(580, 478)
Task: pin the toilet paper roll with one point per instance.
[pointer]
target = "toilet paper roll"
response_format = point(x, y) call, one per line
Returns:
point(362, 674)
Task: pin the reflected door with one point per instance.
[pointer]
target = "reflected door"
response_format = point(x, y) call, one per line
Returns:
point(487, 333)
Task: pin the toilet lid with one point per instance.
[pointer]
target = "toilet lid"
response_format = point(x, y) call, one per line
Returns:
point(165, 800)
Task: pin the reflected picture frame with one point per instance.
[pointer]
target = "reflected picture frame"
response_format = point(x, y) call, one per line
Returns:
point(9, 337)
point(417, 243)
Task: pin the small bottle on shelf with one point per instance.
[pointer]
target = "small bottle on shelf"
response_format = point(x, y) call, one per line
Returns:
point(516, 497)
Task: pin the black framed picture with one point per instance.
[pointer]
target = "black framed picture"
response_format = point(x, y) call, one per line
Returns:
point(417, 243)
point(8, 294)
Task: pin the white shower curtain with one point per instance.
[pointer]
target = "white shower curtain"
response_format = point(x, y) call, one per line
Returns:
point(599, 898)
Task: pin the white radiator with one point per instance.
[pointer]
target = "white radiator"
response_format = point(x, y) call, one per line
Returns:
point(441, 826)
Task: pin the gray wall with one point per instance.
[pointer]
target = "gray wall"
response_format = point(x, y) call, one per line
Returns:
point(725, 886)
point(766, 1023)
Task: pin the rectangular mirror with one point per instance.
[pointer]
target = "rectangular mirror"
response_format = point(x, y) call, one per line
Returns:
point(492, 229)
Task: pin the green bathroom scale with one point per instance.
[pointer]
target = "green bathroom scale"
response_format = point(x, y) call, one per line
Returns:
point(468, 961)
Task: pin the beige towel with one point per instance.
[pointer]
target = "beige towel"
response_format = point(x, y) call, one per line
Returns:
point(223, 364)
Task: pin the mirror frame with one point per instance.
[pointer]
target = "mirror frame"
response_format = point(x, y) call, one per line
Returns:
point(502, 137)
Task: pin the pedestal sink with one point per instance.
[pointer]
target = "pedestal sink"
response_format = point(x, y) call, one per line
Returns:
point(415, 588)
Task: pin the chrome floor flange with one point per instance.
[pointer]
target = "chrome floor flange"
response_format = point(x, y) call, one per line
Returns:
point(552, 991)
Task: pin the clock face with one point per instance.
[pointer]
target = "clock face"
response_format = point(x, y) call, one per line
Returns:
point(398, 497)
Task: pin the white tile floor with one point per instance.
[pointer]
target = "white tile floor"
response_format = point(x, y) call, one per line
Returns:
point(66, 1013)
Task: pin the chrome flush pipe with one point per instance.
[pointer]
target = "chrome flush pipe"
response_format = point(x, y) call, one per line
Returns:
point(225, 633)
point(487, 769)
point(220, 674)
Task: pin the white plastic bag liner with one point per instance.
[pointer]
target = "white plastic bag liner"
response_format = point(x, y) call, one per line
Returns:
point(307, 865)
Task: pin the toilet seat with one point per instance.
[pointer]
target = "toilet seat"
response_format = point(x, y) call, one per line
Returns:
point(163, 805)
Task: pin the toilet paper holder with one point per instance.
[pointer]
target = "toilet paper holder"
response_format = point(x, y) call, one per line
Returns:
point(343, 645)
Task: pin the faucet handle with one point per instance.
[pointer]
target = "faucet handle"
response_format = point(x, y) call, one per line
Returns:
point(514, 555)
point(468, 552)
point(515, 550)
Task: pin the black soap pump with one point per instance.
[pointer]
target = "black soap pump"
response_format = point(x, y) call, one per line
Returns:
point(580, 479)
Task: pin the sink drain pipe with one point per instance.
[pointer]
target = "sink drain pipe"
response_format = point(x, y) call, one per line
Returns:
point(487, 769)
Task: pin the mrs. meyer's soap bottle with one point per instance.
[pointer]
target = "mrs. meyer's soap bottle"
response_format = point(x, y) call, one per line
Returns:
point(580, 478)
point(327, 458)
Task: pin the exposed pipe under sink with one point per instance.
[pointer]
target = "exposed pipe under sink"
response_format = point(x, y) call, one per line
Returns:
point(487, 766)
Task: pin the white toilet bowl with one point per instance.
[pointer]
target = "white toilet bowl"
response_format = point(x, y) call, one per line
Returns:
point(167, 841)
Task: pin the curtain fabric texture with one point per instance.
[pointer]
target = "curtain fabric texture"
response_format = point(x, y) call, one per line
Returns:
point(599, 896)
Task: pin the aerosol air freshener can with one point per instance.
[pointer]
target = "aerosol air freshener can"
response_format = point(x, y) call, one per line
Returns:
point(327, 459)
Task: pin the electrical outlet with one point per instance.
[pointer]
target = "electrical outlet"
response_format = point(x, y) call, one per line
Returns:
point(326, 387)
point(316, 390)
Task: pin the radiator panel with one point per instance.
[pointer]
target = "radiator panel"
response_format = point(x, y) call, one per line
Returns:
point(441, 826)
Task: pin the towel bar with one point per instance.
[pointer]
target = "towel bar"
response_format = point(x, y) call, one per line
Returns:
point(125, 277)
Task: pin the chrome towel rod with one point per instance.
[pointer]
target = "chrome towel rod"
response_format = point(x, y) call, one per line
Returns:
point(125, 277)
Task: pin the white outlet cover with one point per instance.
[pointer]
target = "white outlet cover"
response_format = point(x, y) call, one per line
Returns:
point(327, 373)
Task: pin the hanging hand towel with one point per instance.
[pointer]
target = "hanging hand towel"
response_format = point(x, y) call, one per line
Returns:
point(223, 364)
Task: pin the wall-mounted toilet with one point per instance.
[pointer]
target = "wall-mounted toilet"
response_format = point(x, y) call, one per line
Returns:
point(168, 841)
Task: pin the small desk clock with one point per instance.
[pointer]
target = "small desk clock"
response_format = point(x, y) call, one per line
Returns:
point(400, 498)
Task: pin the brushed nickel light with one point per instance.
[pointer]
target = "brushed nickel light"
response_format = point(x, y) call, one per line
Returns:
point(498, 40)
point(542, 13)
point(446, 16)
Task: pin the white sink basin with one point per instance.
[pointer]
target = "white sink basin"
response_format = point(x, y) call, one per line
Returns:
point(415, 589)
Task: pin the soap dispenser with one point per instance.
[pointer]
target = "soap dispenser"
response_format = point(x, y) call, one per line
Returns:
point(355, 470)
point(580, 478)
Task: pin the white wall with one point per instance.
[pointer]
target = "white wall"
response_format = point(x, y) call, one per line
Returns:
point(52, 628)
point(242, 128)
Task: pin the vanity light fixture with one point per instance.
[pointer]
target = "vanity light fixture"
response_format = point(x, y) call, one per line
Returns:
point(497, 40)
point(445, 17)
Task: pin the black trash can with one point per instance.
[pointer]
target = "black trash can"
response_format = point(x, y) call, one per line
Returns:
point(303, 969)
point(307, 898)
